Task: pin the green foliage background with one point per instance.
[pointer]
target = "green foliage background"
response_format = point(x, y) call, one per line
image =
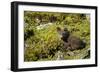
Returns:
point(44, 44)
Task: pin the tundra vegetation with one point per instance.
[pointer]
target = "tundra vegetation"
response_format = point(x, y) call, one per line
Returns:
point(42, 41)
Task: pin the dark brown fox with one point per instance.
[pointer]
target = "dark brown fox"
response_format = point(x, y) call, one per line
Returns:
point(70, 42)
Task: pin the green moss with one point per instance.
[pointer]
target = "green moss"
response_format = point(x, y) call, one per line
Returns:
point(45, 43)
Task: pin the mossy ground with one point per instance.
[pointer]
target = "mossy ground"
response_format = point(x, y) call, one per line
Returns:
point(44, 44)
